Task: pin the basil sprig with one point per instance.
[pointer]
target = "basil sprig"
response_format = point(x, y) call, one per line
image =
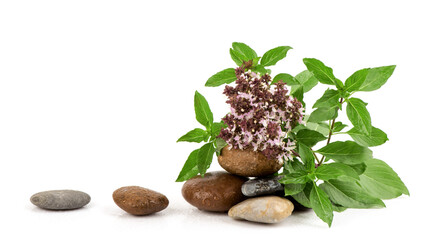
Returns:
point(327, 176)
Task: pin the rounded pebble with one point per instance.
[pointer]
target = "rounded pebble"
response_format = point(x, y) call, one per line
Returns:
point(139, 201)
point(268, 209)
point(60, 199)
point(216, 191)
point(262, 186)
point(247, 163)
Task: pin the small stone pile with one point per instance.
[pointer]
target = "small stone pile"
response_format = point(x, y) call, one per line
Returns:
point(254, 199)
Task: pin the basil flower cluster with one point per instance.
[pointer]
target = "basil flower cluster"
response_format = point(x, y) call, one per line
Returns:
point(261, 115)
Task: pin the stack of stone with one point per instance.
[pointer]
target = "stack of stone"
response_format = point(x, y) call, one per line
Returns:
point(246, 191)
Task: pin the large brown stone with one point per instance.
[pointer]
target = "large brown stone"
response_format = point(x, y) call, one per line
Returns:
point(247, 163)
point(139, 201)
point(216, 191)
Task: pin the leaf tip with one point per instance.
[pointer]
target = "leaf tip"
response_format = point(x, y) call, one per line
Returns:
point(180, 139)
point(180, 178)
point(405, 190)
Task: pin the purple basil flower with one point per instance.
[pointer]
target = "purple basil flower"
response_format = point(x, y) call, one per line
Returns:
point(261, 115)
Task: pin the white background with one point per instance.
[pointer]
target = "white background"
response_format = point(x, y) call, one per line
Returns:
point(94, 94)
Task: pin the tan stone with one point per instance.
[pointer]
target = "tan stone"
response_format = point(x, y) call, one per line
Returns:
point(247, 163)
point(268, 209)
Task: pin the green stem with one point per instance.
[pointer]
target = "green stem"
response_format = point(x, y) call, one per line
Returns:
point(330, 133)
point(337, 133)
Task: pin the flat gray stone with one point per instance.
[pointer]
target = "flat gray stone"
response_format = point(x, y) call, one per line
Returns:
point(262, 186)
point(60, 199)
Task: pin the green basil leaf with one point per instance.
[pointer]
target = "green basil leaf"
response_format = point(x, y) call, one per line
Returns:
point(359, 168)
point(223, 77)
point(380, 181)
point(323, 73)
point(237, 57)
point(244, 50)
point(346, 152)
point(299, 95)
point(376, 78)
point(274, 55)
point(309, 137)
point(359, 115)
point(220, 144)
point(256, 61)
point(376, 138)
point(203, 114)
point(217, 127)
point(196, 135)
point(292, 189)
point(296, 177)
point(296, 166)
point(321, 204)
point(323, 128)
point(303, 196)
point(306, 79)
point(298, 128)
point(336, 171)
point(205, 157)
point(260, 69)
point(190, 169)
point(323, 114)
point(326, 172)
point(330, 99)
point(286, 78)
point(339, 85)
point(307, 156)
point(349, 194)
point(337, 207)
point(354, 82)
point(291, 135)
point(338, 126)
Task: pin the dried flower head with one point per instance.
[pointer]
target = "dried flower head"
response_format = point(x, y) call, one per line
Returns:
point(261, 115)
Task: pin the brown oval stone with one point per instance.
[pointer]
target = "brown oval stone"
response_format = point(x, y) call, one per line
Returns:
point(216, 191)
point(139, 201)
point(247, 163)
